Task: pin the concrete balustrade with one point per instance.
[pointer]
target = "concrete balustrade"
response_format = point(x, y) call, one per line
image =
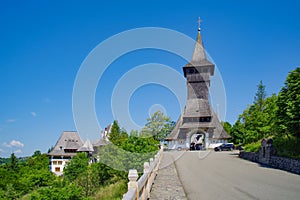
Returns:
point(140, 188)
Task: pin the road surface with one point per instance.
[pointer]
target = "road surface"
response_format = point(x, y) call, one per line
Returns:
point(222, 175)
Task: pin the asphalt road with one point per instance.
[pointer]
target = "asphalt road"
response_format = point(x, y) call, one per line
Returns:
point(222, 175)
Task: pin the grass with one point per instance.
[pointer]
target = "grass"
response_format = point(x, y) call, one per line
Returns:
point(284, 146)
point(253, 147)
point(287, 146)
point(113, 191)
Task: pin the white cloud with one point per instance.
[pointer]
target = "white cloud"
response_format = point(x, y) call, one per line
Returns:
point(33, 114)
point(1, 150)
point(10, 120)
point(16, 143)
point(13, 143)
point(18, 151)
point(6, 145)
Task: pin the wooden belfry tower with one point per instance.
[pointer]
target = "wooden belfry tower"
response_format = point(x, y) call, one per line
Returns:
point(198, 127)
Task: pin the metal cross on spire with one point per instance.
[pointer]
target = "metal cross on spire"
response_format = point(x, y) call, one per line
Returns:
point(199, 21)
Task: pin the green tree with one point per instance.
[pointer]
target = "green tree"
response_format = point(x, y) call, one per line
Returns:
point(260, 95)
point(166, 130)
point(277, 116)
point(11, 192)
point(35, 173)
point(288, 103)
point(37, 153)
point(117, 135)
point(256, 122)
point(77, 166)
point(59, 192)
point(14, 162)
point(270, 117)
point(128, 152)
point(158, 126)
point(103, 173)
point(227, 127)
point(88, 181)
point(2, 194)
point(237, 132)
point(134, 133)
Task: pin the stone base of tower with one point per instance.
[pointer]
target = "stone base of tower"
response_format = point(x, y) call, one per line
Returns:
point(210, 143)
point(197, 135)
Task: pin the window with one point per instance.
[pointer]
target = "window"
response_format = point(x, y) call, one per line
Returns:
point(70, 150)
point(192, 71)
point(57, 169)
point(205, 119)
point(59, 162)
point(54, 162)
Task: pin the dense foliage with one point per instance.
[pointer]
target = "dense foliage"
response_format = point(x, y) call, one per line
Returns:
point(131, 151)
point(31, 178)
point(276, 116)
point(289, 105)
point(158, 126)
point(19, 178)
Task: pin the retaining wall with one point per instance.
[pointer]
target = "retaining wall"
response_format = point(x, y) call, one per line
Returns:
point(287, 164)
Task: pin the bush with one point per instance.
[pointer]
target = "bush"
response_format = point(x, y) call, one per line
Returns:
point(253, 147)
point(112, 191)
point(287, 146)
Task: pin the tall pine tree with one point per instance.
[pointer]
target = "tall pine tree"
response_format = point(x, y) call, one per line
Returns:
point(260, 95)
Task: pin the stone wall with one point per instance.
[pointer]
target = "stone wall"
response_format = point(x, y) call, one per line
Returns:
point(249, 156)
point(266, 156)
point(287, 164)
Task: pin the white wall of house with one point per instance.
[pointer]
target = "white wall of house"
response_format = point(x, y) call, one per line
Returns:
point(57, 165)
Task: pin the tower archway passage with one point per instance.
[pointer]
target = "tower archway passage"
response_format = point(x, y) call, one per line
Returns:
point(197, 141)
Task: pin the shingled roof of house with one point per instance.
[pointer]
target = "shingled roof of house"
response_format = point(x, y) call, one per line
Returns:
point(87, 147)
point(101, 142)
point(67, 145)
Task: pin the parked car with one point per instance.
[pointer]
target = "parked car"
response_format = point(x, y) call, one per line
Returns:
point(225, 147)
point(239, 147)
point(195, 147)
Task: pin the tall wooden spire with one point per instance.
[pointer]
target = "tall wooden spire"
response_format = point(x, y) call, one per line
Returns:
point(198, 118)
point(199, 52)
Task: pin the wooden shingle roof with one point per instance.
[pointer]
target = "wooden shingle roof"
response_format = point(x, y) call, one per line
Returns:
point(67, 144)
point(174, 133)
point(87, 147)
point(197, 108)
point(199, 56)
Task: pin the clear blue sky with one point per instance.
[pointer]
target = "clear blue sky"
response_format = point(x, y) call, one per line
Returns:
point(43, 44)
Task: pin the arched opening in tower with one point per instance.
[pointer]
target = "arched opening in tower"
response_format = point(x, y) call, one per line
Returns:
point(197, 141)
